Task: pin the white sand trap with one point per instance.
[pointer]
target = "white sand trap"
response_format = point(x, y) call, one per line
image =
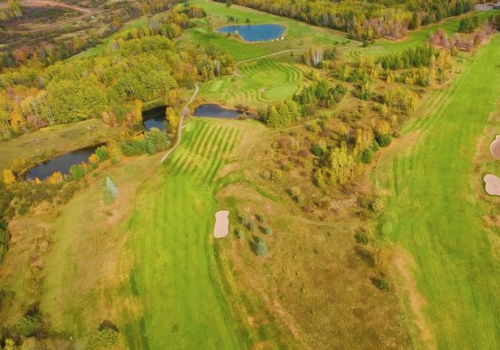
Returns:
point(495, 147)
point(492, 185)
point(221, 228)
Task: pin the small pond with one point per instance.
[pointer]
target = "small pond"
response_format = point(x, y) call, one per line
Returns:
point(255, 32)
point(61, 163)
point(154, 118)
point(215, 110)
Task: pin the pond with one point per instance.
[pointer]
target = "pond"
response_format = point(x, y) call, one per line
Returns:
point(154, 118)
point(255, 32)
point(61, 163)
point(215, 110)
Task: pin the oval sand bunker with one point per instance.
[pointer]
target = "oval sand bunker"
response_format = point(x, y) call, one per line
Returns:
point(492, 185)
point(221, 228)
point(495, 147)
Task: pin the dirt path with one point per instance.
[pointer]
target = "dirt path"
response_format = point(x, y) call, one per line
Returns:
point(185, 110)
point(86, 12)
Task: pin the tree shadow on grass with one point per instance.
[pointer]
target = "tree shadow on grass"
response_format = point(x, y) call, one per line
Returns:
point(253, 244)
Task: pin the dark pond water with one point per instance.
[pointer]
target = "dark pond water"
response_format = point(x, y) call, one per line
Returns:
point(215, 111)
point(61, 163)
point(154, 118)
point(255, 32)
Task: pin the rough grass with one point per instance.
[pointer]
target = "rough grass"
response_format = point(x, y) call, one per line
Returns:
point(54, 140)
point(261, 82)
point(297, 36)
point(171, 239)
point(434, 211)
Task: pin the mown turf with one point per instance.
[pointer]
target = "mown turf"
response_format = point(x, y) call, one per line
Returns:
point(297, 35)
point(171, 236)
point(434, 212)
point(261, 82)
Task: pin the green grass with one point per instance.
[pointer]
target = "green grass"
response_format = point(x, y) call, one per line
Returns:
point(171, 236)
point(434, 211)
point(297, 36)
point(263, 82)
point(414, 38)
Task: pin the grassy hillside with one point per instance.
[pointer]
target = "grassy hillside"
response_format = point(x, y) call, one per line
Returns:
point(435, 215)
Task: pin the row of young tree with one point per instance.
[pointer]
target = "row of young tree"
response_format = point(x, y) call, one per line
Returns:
point(463, 41)
point(364, 20)
point(112, 86)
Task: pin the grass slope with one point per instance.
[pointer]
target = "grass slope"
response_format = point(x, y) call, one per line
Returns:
point(170, 235)
point(262, 82)
point(434, 212)
point(298, 35)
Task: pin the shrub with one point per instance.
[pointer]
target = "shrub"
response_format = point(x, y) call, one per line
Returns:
point(381, 283)
point(384, 140)
point(261, 218)
point(261, 247)
point(105, 338)
point(317, 150)
point(362, 238)
point(367, 156)
point(252, 227)
point(268, 231)
point(244, 220)
point(77, 172)
point(377, 205)
point(102, 153)
point(240, 234)
point(28, 326)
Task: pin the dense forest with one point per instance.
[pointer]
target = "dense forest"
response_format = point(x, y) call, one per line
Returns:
point(365, 20)
point(139, 66)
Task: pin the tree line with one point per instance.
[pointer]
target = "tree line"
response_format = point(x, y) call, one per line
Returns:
point(361, 19)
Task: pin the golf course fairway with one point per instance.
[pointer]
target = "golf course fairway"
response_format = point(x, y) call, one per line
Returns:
point(174, 273)
point(434, 213)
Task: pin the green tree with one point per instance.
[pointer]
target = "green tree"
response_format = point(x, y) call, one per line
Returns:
point(261, 248)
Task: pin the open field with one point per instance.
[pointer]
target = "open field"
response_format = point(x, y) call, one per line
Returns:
point(297, 36)
point(414, 38)
point(258, 83)
point(434, 211)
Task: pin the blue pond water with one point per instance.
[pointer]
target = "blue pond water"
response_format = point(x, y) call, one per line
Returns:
point(61, 163)
point(255, 32)
point(154, 118)
point(215, 111)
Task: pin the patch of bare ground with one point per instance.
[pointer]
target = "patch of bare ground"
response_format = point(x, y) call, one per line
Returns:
point(404, 265)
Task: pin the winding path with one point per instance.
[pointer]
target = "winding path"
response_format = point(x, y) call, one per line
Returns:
point(185, 110)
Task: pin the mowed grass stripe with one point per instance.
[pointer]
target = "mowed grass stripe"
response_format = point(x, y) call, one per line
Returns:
point(219, 158)
point(436, 215)
point(216, 150)
point(183, 307)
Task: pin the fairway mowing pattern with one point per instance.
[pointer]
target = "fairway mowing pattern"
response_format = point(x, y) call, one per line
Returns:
point(175, 276)
point(263, 81)
point(436, 215)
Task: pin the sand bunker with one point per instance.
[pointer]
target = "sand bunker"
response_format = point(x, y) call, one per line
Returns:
point(495, 147)
point(221, 228)
point(492, 185)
